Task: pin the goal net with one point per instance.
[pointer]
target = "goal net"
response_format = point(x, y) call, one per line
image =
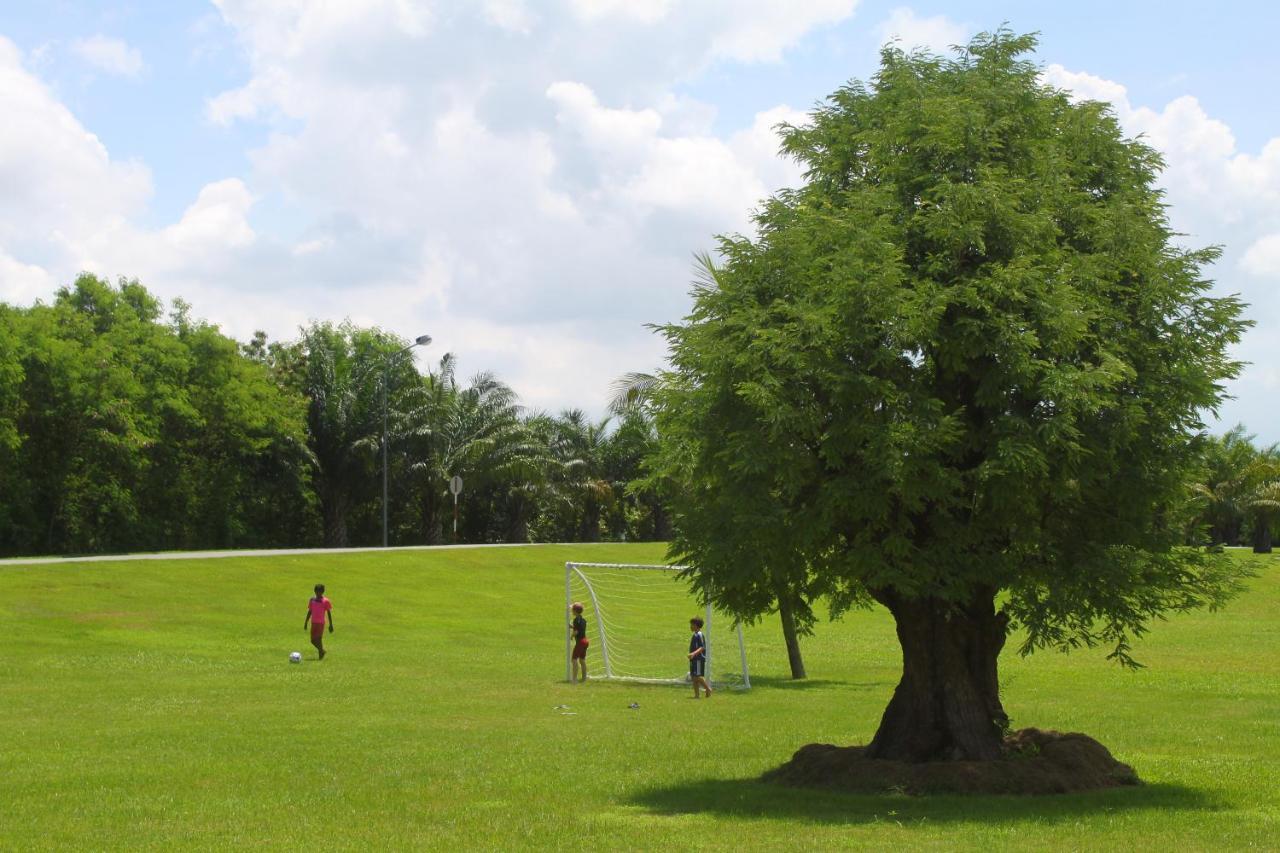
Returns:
point(638, 624)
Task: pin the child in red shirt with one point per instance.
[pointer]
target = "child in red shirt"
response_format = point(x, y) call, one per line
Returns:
point(580, 642)
point(316, 610)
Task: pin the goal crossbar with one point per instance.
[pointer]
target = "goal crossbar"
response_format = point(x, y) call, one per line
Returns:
point(588, 575)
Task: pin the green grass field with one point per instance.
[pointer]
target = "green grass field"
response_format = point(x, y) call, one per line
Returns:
point(150, 704)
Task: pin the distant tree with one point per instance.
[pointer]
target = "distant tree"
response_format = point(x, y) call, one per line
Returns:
point(580, 445)
point(959, 372)
point(1224, 483)
point(476, 432)
point(632, 392)
point(130, 433)
point(1261, 498)
point(233, 458)
point(12, 481)
point(342, 370)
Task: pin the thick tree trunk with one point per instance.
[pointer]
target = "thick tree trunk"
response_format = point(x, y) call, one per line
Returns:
point(518, 526)
point(661, 522)
point(589, 529)
point(947, 705)
point(334, 510)
point(790, 636)
point(1262, 536)
point(432, 529)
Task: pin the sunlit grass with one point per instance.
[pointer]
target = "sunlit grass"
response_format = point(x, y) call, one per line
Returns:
point(150, 704)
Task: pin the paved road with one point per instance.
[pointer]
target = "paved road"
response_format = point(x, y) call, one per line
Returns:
point(279, 552)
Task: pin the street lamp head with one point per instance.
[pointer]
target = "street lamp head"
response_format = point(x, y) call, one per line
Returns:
point(422, 340)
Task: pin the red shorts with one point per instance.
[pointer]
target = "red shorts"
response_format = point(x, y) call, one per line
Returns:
point(317, 632)
point(580, 649)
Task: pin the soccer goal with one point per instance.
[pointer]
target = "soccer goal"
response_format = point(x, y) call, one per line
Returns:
point(638, 617)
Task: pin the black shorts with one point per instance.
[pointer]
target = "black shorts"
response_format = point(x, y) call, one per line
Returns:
point(698, 665)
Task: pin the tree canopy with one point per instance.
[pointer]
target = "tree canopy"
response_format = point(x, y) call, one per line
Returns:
point(961, 371)
point(122, 429)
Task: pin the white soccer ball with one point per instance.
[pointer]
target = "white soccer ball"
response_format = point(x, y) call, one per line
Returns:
point(296, 657)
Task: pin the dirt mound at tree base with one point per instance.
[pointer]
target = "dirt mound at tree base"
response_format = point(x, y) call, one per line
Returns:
point(1035, 762)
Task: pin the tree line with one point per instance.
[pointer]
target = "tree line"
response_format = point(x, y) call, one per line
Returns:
point(123, 429)
point(1237, 495)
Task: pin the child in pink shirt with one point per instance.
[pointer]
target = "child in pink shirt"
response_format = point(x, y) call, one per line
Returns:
point(316, 610)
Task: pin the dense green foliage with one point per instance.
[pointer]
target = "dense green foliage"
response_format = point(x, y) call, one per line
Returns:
point(965, 358)
point(149, 705)
point(1237, 493)
point(121, 430)
point(124, 432)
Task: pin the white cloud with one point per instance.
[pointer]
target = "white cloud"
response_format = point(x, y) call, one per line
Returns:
point(760, 30)
point(623, 134)
point(1216, 195)
point(1081, 86)
point(22, 283)
point(1263, 257)
point(510, 15)
point(108, 54)
point(641, 11)
point(59, 182)
point(530, 213)
point(217, 220)
point(938, 34)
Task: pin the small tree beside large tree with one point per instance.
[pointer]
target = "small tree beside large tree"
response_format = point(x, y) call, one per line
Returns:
point(959, 372)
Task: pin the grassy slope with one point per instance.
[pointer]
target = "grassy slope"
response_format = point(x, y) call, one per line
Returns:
point(150, 704)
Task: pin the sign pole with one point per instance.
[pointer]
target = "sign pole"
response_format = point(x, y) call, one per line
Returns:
point(455, 486)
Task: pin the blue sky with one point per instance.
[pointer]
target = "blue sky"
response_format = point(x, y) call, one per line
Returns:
point(529, 181)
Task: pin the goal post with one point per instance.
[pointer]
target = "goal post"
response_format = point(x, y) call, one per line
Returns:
point(636, 613)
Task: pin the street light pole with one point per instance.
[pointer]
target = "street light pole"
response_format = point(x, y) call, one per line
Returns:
point(421, 340)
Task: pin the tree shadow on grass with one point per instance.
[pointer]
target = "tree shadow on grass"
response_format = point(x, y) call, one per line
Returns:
point(747, 799)
point(779, 683)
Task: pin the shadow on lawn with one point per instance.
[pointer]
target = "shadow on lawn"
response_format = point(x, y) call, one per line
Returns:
point(749, 798)
point(777, 683)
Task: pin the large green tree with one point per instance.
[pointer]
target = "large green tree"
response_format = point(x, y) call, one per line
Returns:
point(119, 431)
point(958, 372)
point(348, 374)
point(474, 432)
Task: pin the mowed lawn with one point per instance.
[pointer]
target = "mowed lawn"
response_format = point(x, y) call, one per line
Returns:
point(151, 704)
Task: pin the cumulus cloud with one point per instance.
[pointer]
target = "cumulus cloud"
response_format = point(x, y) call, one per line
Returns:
point(23, 283)
point(1217, 195)
point(110, 55)
point(510, 15)
point(761, 30)
point(525, 183)
point(530, 214)
point(60, 184)
point(563, 190)
point(1263, 257)
point(938, 34)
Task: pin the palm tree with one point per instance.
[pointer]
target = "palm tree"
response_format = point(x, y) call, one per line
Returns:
point(578, 446)
point(342, 417)
point(1230, 475)
point(632, 392)
point(473, 431)
point(1262, 498)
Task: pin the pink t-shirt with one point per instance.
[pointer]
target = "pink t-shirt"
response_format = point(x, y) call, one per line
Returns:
point(319, 609)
